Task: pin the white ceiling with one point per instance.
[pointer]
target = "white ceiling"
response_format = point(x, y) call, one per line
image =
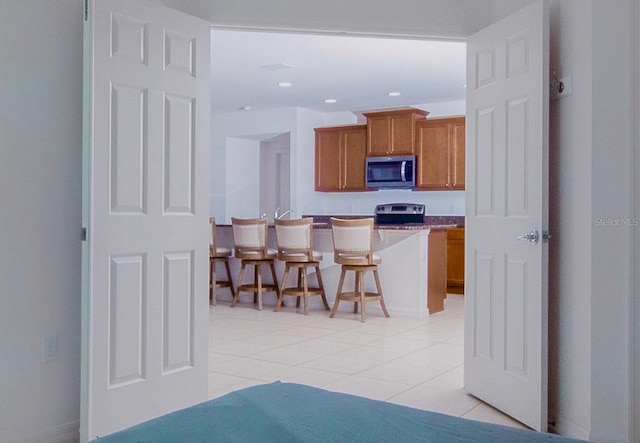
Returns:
point(356, 71)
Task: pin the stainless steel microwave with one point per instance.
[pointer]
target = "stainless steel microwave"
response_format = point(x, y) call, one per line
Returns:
point(393, 172)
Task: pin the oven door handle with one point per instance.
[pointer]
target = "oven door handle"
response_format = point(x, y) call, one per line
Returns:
point(403, 174)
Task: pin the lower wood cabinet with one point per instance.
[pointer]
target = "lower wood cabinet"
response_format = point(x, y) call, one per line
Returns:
point(436, 272)
point(340, 154)
point(455, 260)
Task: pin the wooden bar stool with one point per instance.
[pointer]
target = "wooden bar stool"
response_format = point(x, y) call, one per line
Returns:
point(218, 255)
point(353, 249)
point(250, 243)
point(295, 249)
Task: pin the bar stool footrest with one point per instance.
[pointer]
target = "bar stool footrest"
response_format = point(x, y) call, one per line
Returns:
point(254, 288)
point(299, 292)
point(355, 296)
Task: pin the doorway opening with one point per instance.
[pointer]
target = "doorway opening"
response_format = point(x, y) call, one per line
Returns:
point(275, 170)
point(280, 149)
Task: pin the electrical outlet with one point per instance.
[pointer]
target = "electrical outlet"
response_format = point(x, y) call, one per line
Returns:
point(49, 348)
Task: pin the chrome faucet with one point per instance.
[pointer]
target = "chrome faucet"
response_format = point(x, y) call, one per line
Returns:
point(279, 216)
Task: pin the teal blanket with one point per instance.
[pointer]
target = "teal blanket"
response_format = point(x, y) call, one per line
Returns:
point(289, 412)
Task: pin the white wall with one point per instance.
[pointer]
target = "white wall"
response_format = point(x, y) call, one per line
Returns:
point(40, 184)
point(634, 262)
point(571, 208)
point(250, 125)
point(611, 138)
point(243, 161)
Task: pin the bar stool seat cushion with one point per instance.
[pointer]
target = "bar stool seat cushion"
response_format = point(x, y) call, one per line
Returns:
point(300, 256)
point(220, 252)
point(355, 259)
point(257, 255)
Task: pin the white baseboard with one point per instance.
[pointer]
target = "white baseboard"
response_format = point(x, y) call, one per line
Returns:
point(568, 428)
point(66, 433)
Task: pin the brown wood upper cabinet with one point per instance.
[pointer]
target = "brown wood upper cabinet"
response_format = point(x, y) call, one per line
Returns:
point(392, 132)
point(440, 149)
point(340, 154)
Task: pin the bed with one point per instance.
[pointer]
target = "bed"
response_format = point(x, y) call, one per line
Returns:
point(290, 412)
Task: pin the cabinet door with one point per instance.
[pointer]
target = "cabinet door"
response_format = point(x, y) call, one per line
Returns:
point(402, 137)
point(327, 160)
point(354, 154)
point(379, 135)
point(455, 260)
point(436, 271)
point(433, 156)
point(457, 154)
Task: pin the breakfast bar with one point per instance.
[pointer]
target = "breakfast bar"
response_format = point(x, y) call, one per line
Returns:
point(412, 272)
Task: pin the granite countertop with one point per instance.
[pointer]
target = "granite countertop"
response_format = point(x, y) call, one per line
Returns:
point(433, 222)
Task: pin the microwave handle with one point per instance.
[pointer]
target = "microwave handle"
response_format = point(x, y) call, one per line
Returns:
point(402, 171)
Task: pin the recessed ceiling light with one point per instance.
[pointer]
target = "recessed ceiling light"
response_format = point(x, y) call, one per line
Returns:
point(394, 94)
point(330, 100)
point(277, 66)
point(285, 84)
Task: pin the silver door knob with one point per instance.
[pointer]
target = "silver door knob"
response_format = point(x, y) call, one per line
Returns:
point(531, 237)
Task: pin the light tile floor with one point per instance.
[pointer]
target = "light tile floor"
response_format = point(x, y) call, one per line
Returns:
point(416, 363)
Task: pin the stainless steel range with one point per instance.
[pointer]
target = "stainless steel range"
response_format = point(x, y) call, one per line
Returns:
point(399, 213)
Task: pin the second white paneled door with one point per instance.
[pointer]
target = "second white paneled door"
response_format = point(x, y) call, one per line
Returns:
point(507, 198)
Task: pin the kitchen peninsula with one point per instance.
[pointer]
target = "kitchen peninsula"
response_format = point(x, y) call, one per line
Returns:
point(413, 269)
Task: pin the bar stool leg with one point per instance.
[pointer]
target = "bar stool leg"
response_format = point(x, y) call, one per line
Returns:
point(258, 293)
point(299, 286)
point(240, 276)
point(356, 289)
point(363, 303)
point(287, 268)
point(256, 273)
point(228, 269)
point(212, 281)
point(379, 287)
point(337, 301)
point(275, 279)
point(321, 286)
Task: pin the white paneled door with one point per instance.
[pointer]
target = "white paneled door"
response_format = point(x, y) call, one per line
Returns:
point(506, 204)
point(146, 177)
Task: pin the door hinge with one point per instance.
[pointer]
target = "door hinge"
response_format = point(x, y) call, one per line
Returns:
point(545, 236)
point(83, 234)
point(86, 10)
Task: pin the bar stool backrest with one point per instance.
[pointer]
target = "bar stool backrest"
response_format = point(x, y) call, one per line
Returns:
point(250, 237)
point(295, 238)
point(352, 240)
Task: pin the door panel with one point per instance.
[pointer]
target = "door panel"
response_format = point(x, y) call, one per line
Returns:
point(507, 197)
point(355, 151)
point(457, 156)
point(146, 176)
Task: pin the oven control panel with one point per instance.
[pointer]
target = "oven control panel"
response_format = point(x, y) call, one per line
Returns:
point(400, 208)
